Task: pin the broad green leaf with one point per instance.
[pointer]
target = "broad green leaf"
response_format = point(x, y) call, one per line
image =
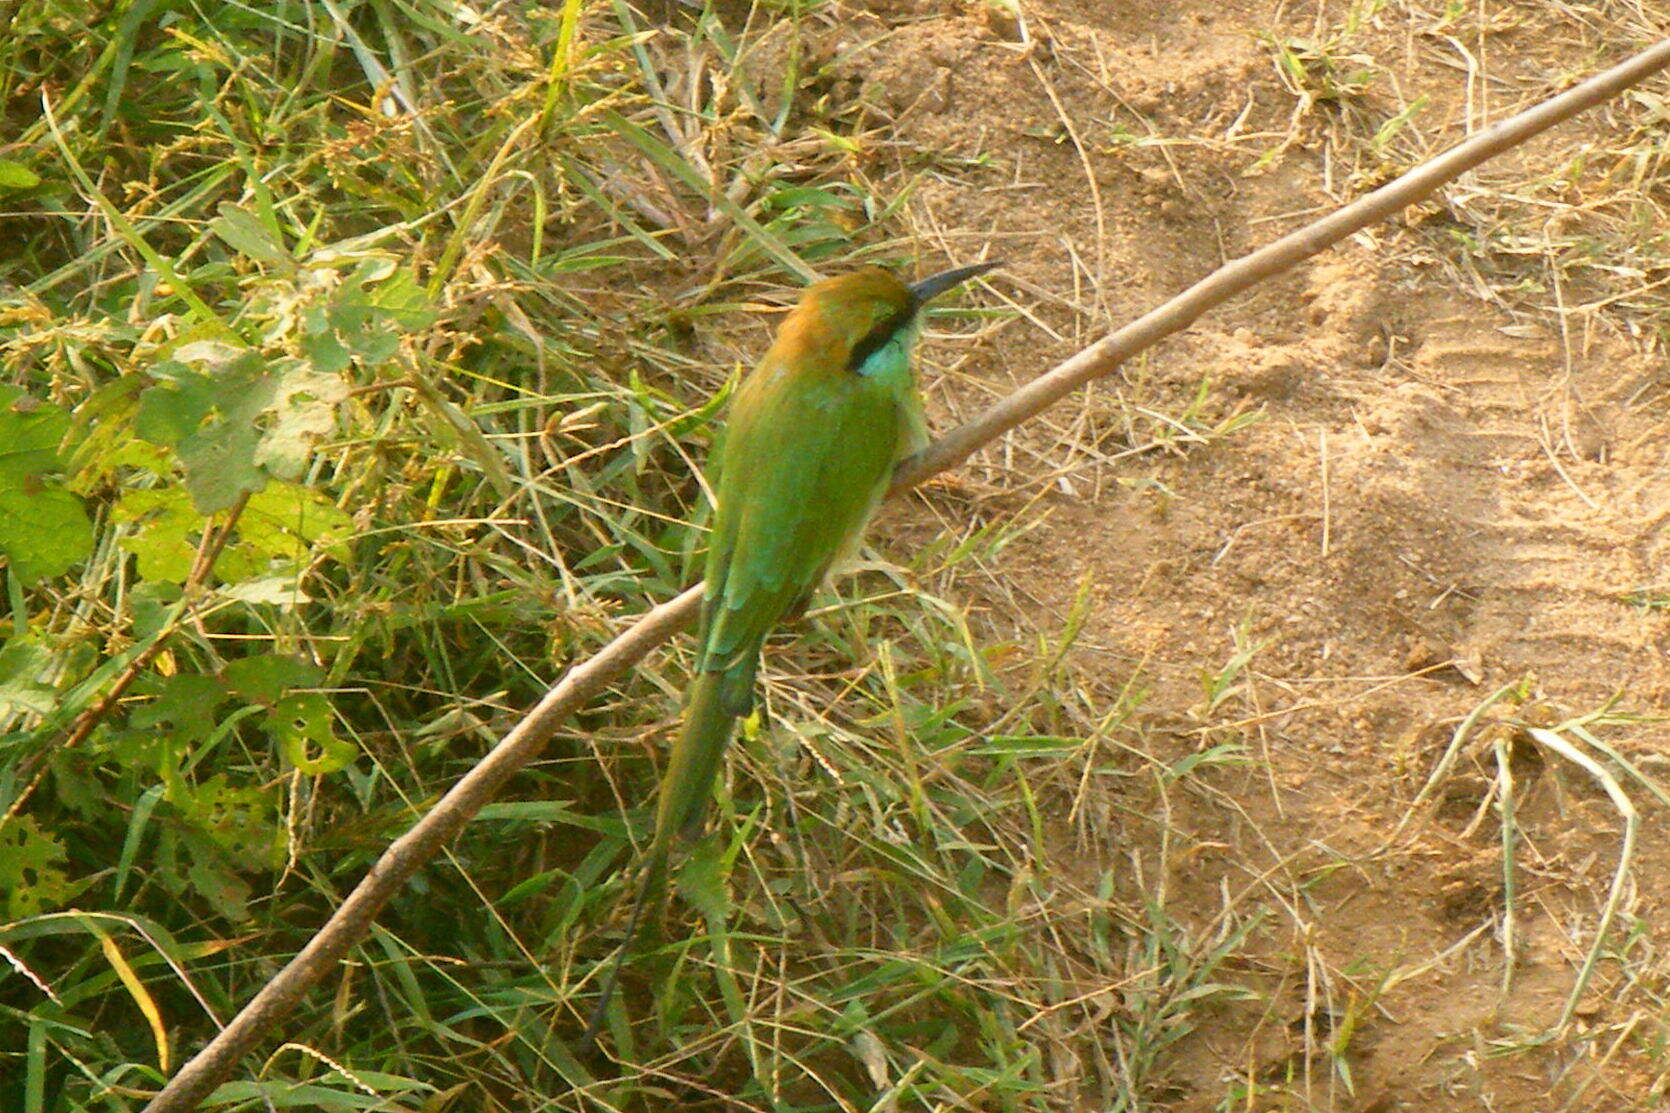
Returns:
point(156, 750)
point(244, 232)
point(168, 413)
point(30, 435)
point(178, 719)
point(302, 726)
point(22, 663)
point(215, 883)
point(402, 297)
point(153, 603)
point(243, 821)
point(220, 466)
point(304, 412)
point(211, 420)
point(364, 317)
point(265, 677)
point(238, 421)
point(162, 539)
point(43, 532)
point(186, 703)
point(16, 176)
point(30, 879)
point(282, 529)
point(321, 346)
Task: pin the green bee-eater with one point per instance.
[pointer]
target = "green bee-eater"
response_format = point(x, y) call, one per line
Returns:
point(808, 451)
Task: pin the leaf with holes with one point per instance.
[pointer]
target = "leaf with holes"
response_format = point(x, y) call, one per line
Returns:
point(281, 531)
point(176, 721)
point(301, 724)
point(236, 418)
point(29, 873)
point(303, 413)
point(164, 526)
point(364, 316)
point(210, 418)
point(242, 820)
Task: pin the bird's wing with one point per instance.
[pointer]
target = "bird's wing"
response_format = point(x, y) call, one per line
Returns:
point(803, 466)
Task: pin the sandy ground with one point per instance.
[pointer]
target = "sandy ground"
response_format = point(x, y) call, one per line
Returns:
point(1451, 487)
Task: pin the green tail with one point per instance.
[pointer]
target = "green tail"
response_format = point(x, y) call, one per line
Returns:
point(716, 700)
point(714, 704)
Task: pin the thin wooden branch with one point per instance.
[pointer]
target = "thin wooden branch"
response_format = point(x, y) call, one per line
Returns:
point(417, 846)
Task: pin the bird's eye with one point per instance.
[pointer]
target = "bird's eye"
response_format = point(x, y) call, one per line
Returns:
point(883, 331)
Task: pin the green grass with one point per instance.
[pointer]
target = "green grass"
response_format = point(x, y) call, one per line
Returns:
point(359, 425)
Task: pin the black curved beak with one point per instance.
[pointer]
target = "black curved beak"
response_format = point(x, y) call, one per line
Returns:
point(935, 284)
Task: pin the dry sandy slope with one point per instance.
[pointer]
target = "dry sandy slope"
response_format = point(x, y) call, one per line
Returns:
point(1449, 491)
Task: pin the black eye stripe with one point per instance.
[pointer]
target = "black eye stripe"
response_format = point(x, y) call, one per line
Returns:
point(884, 330)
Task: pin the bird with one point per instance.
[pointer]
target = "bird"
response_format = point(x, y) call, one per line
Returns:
point(807, 453)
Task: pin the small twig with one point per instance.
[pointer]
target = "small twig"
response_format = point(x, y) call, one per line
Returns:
point(417, 846)
point(208, 551)
point(386, 384)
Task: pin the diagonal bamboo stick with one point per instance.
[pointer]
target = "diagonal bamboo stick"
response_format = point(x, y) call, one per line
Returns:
point(350, 923)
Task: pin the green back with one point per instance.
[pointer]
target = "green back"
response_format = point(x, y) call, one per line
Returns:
point(807, 455)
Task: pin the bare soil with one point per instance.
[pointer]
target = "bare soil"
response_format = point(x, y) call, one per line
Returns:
point(1452, 487)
